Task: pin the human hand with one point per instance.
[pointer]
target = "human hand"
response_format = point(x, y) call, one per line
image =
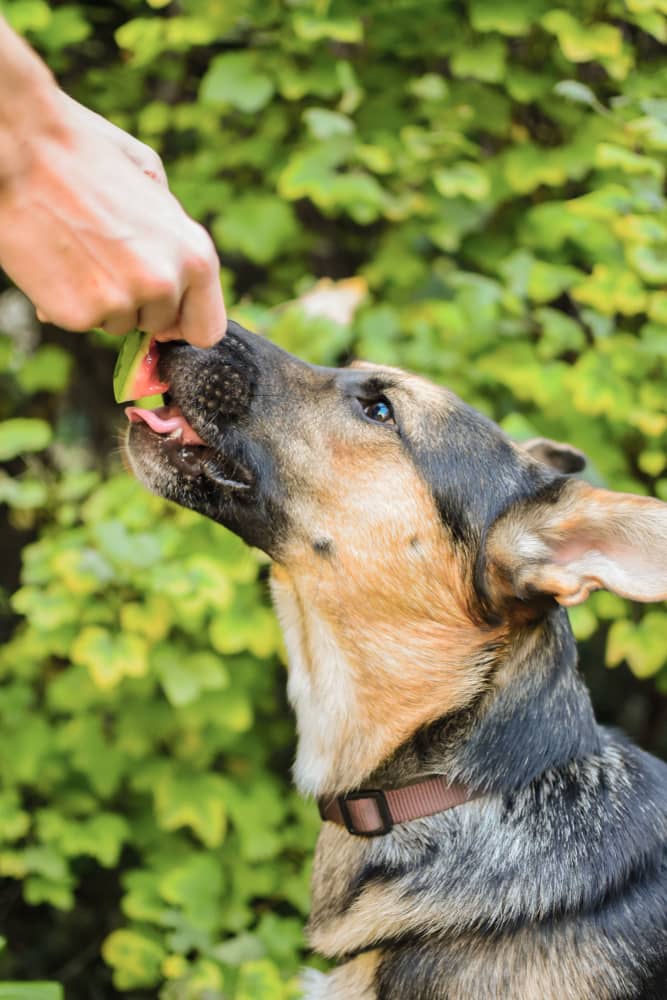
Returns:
point(91, 233)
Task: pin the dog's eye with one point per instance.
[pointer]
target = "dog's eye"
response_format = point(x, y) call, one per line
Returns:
point(380, 411)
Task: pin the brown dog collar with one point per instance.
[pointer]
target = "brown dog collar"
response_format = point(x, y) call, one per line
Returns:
point(373, 812)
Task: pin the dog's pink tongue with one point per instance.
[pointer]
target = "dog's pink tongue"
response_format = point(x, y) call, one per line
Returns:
point(164, 420)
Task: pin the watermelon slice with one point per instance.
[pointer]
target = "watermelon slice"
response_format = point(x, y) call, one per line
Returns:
point(135, 374)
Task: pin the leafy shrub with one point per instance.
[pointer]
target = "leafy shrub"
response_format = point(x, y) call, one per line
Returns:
point(494, 172)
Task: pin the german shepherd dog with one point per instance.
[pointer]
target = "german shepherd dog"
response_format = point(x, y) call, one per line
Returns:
point(421, 562)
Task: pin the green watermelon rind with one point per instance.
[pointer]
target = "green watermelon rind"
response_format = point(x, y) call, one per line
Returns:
point(134, 349)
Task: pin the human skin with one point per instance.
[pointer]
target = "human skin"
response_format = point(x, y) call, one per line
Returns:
point(89, 230)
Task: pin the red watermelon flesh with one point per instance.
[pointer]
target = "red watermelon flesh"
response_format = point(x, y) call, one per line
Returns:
point(147, 382)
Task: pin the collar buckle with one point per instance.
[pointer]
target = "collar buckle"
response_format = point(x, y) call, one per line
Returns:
point(375, 795)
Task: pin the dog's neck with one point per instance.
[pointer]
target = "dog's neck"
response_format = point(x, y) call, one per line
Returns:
point(395, 713)
point(534, 714)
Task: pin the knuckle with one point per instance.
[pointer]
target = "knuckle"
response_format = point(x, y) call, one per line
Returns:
point(117, 303)
point(157, 287)
point(92, 310)
point(202, 259)
point(84, 315)
point(145, 156)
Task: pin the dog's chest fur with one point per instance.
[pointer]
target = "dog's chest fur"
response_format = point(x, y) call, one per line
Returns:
point(551, 894)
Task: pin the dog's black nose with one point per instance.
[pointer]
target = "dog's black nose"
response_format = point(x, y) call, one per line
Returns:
point(226, 389)
point(218, 382)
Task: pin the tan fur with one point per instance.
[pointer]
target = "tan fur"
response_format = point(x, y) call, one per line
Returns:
point(387, 613)
point(568, 965)
point(352, 981)
point(590, 539)
point(565, 969)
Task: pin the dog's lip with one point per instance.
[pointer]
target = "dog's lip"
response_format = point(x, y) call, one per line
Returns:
point(187, 451)
point(166, 421)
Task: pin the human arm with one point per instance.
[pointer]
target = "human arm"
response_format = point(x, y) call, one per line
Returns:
point(88, 227)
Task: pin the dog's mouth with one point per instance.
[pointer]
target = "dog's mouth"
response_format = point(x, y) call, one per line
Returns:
point(184, 448)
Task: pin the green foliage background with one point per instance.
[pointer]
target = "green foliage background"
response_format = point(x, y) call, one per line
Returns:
point(495, 172)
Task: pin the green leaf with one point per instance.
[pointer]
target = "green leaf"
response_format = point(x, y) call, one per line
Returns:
point(197, 801)
point(283, 937)
point(512, 17)
point(548, 281)
point(429, 87)
point(22, 493)
point(23, 434)
point(325, 124)
point(135, 957)
point(28, 15)
point(611, 290)
point(47, 370)
point(608, 154)
point(483, 60)
point(240, 949)
point(109, 658)
point(245, 626)
point(259, 980)
point(342, 29)
point(642, 644)
point(650, 264)
point(31, 991)
point(463, 178)
point(195, 887)
point(583, 622)
point(131, 550)
point(14, 822)
point(317, 173)
point(583, 42)
point(233, 79)
point(578, 93)
point(260, 227)
point(67, 26)
point(184, 675)
point(652, 461)
point(100, 837)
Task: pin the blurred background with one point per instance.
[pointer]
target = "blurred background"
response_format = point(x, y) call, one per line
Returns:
point(492, 174)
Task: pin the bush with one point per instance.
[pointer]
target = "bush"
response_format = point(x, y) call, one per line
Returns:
point(494, 173)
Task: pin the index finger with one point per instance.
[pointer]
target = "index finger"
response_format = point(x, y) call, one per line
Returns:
point(203, 318)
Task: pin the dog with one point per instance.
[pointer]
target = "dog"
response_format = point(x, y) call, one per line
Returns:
point(483, 836)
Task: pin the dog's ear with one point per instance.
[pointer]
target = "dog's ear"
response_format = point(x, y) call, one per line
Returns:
point(562, 457)
point(576, 538)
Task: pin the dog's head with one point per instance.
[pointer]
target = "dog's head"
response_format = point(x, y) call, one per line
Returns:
point(391, 479)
